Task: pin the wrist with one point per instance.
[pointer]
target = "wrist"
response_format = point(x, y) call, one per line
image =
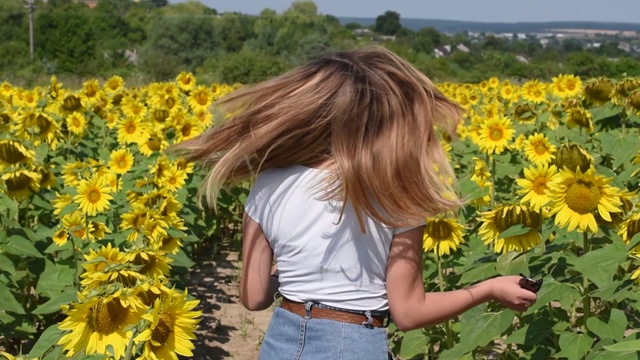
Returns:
point(486, 291)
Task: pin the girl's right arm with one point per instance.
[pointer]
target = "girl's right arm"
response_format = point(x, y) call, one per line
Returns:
point(412, 308)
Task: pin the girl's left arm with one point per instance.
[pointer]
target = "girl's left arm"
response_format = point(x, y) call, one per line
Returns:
point(257, 286)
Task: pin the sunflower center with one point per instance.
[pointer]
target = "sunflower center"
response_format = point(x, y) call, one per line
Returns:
point(154, 144)
point(202, 99)
point(540, 148)
point(10, 153)
point(539, 186)
point(76, 122)
point(496, 134)
point(633, 228)
point(122, 163)
point(107, 318)
point(94, 196)
point(186, 130)
point(162, 331)
point(131, 128)
point(440, 230)
point(583, 197)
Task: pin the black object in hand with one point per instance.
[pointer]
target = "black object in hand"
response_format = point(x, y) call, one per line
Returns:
point(530, 284)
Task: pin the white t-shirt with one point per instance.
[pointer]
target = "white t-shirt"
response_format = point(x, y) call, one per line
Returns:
point(318, 258)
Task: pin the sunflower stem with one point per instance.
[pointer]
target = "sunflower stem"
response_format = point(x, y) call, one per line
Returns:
point(493, 181)
point(129, 352)
point(447, 324)
point(586, 299)
point(75, 261)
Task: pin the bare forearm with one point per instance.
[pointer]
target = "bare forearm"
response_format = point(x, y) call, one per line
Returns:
point(437, 307)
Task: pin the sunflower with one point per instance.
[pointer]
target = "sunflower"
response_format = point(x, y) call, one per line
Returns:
point(633, 101)
point(107, 266)
point(519, 142)
point(76, 123)
point(114, 84)
point(495, 135)
point(60, 237)
point(48, 178)
point(442, 235)
point(29, 99)
point(534, 185)
point(534, 91)
point(628, 229)
point(507, 93)
point(504, 217)
point(37, 127)
point(525, 112)
point(174, 179)
point(6, 89)
point(575, 197)
point(13, 152)
point(599, 90)
point(153, 263)
point(20, 184)
point(120, 161)
point(480, 171)
point(538, 150)
point(90, 92)
point(623, 89)
point(93, 195)
point(200, 98)
point(172, 323)
point(97, 323)
point(566, 86)
point(572, 156)
point(168, 244)
point(188, 128)
point(98, 230)
point(580, 117)
point(186, 81)
point(627, 198)
point(60, 202)
point(75, 223)
point(130, 130)
point(133, 109)
point(18, 357)
point(70, 103)
point(153, 142)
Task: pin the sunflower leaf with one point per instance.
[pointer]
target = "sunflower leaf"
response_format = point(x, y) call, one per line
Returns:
point(46, 341)
point(413, 343)
point(574, 346)
point(8, 302)
point(600, 265)
point(53, 304)
point(19, 245)
point(515, 230)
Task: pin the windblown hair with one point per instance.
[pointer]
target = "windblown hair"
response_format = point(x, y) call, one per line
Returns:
point(367, 112)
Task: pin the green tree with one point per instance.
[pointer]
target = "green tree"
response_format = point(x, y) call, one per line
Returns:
point(178, 43)
point(388, 23)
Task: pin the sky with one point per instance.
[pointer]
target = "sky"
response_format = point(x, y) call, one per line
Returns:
point(466, 10)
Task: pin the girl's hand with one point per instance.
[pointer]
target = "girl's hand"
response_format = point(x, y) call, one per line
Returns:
point(507, 291)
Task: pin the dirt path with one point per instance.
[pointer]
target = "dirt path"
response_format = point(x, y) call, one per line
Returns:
point(227, 330)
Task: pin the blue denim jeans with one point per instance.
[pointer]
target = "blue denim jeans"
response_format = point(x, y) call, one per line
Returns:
point(292, 337)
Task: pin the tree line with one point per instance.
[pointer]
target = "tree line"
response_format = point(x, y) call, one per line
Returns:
point(151, 40)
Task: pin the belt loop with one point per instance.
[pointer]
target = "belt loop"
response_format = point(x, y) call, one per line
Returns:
point(277, 298)
point(369, 322)
point(307, 309)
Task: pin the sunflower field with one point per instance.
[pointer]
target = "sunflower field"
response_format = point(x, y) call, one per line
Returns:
point(95, 217)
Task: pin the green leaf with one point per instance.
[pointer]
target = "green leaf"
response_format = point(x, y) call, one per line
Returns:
point(624, 346)
point(479, 326)
point(533, 333)
point(480, 271)
point(18, 245)
point(609, 355)
point(8, 302)
point(68, 209)
point(8, 203)
point(574, 346)
point(53, 305)
point(48, 339)
point(613, 329)
point(180, 259)
point(7, 265)
point(471, 190)
point(552, 290)
point(512, 263)
point(413, 343)
point(515, 230)
point(55, 278)
point(600, 265)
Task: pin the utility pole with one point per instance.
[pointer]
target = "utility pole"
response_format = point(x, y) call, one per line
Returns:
point(31, 7)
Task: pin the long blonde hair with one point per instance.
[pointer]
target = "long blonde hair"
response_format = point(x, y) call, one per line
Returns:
point(367, 112)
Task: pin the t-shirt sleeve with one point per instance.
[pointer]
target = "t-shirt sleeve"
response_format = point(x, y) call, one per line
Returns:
point(400, 230)
point(255, 204)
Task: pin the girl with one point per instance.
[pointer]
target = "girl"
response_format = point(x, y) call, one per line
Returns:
point(348, 167)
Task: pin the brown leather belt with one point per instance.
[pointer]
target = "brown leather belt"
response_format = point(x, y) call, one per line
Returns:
point(331, 314)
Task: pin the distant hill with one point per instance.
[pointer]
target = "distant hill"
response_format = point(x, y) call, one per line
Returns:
point(455, 26)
